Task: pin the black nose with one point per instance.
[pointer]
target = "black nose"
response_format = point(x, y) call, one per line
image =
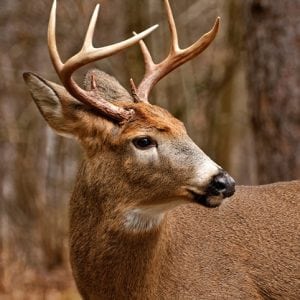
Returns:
point(222, 184)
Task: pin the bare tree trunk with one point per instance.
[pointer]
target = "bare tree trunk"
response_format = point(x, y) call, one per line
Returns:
point(273, 34)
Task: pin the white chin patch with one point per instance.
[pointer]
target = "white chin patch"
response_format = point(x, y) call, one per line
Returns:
point(146, 218)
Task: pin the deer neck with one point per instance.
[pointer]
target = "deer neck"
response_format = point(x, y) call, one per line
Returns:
point(101, 229)
point(114, 203)
point(115, 210)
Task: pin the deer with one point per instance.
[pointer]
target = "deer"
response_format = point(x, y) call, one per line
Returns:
point(151, 215)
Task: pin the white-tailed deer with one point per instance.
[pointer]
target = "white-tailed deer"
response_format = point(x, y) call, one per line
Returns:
point(147, 219)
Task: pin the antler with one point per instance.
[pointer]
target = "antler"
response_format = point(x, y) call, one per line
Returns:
point(86, 55)
point(155, 72)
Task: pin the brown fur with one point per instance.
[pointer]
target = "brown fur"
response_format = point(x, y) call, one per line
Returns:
point(247, 248)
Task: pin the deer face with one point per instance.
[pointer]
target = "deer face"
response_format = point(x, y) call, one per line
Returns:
point(161, 157)
point(150, 156)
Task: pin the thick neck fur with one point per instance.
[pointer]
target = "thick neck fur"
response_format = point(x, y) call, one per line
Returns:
point(116, 258)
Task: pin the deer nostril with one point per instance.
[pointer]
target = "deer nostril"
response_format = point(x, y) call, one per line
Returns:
point(219, 185)
point(222, 184)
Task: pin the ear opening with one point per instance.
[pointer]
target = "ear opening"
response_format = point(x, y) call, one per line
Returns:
point(52, 100)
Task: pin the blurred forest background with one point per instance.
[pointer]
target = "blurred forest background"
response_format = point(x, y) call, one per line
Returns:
point(239, 100)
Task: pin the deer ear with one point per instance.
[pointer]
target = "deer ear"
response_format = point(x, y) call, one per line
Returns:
point(107, 86)
point(56, 105)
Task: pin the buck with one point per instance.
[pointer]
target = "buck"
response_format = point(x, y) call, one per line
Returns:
point(148, 219)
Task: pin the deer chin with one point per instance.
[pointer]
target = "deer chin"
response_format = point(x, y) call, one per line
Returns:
point(207, 199)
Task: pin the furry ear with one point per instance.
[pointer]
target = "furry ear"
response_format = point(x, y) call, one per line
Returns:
point(56, 105)
point(107, 86)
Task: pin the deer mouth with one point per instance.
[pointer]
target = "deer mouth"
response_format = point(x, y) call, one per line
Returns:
point(207, 199)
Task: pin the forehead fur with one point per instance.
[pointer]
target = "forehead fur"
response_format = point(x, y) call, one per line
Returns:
point(149, 116)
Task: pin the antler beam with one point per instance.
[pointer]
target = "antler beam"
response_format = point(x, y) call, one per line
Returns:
point(86, 55)
point(176, 57)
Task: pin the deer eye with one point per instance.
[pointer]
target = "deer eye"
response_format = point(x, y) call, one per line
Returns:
point(144, 143)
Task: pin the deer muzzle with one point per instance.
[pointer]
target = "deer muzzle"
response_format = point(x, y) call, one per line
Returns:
point(220, 187)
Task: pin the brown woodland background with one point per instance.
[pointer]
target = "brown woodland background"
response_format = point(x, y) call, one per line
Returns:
point(240, 101)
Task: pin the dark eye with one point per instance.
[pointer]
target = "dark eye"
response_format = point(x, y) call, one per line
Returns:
point(144, 142)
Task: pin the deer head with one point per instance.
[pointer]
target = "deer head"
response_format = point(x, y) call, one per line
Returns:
point(137, 155)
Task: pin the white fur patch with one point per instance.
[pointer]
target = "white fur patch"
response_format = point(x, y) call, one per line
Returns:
point(147, 156)
point(146, 218)
point(139, 220)
point(206, 170)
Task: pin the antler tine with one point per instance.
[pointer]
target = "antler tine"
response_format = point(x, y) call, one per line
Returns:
point(88, 40)
point(86, 55)
point(176, 57)
point(149, 64)
point(172, 27)
point(52, 46)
